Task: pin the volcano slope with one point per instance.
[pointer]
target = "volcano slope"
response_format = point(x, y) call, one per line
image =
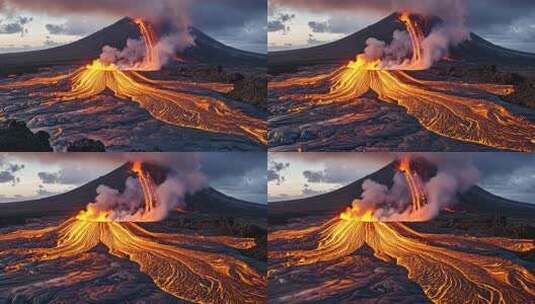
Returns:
point(48, 254)
point(480, 251)
point(323, 99)
point(195, 102)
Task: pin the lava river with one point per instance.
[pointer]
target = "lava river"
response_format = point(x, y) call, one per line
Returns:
point(180, 103)
point(461, 111)
point(196, 268)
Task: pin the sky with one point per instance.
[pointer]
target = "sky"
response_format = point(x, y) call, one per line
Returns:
point(299, 23)
point(38, 24)
point(298, 175)
point(26, 176)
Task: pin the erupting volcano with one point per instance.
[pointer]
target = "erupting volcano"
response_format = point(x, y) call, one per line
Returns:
point(465, 112)
point(447, 267)
point(182, 103)
point(196, 268)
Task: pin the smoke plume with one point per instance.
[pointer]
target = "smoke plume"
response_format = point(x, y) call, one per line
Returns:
point(135, 51)
point(454, 176)
point(129, 205)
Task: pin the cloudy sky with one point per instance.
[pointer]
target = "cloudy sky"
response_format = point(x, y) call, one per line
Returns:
point(37, 24)
point(25, 176)
point(298, 175)
point(301, 23)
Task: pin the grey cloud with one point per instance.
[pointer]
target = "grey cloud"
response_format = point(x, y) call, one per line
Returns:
point(8, 174)
point(319, 27)
point(280, 22)
point(274, 170)
point(14, 25)
point(66, 176)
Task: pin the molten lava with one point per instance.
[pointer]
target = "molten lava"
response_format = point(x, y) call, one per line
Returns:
point(168, 101)
point(466, 117)
point(189, 274)
point(445, 273)
point(447, 267)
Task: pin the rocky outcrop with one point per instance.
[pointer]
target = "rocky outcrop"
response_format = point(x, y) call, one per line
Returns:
point(16, 137)
point(86, 145)
point(251, 90)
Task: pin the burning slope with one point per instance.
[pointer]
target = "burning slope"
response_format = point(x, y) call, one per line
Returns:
point(190, 267)
point(447, 267)
point(167, 101)
point(463, 116)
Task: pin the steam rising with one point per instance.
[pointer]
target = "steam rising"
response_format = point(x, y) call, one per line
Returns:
point(130, 205)
point(454, 176)
point(135, 50)
point(435, 46)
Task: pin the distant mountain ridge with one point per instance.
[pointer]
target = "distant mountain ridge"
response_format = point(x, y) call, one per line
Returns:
point(206, 50)
point(476, 49)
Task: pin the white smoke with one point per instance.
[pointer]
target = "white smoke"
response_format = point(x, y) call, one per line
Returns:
point(134, 52)
point(184, 177)
point(436, 45)
point(454, 176)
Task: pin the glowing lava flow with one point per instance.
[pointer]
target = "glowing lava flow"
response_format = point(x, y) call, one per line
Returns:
point(190, 274)
point(196, 268)
point(466, 117)
point(167, 101)
point(415, 185)
point(445, 274)
point(151, 61)
point(177, 263)
point(447, 267)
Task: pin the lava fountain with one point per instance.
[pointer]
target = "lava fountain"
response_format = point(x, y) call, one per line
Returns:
point(465, 117)
point(180, 103)
point(191, 267)
point(447, 267)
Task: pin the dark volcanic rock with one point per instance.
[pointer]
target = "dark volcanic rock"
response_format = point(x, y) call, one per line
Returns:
point(252, 91)
point(86, 145)
point(16, 137)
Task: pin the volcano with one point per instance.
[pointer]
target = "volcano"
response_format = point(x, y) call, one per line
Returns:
point(325, 254)
point(207, 201)
point(206, 50)
point(475, 200)
point(182, 101)
point(191, 256)
point(477, 49)
point(372, 102)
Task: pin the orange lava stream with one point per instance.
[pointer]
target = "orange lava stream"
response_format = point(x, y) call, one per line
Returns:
point(189, 274)
point(177, 108)
point(151, 61)
point(444, 273)
point(147, 186)
point(415, 184)
point(432, 103)
point(162, 99)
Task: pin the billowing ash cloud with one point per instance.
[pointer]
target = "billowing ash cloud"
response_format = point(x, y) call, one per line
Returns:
point(185, 177)
point(454, 176)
